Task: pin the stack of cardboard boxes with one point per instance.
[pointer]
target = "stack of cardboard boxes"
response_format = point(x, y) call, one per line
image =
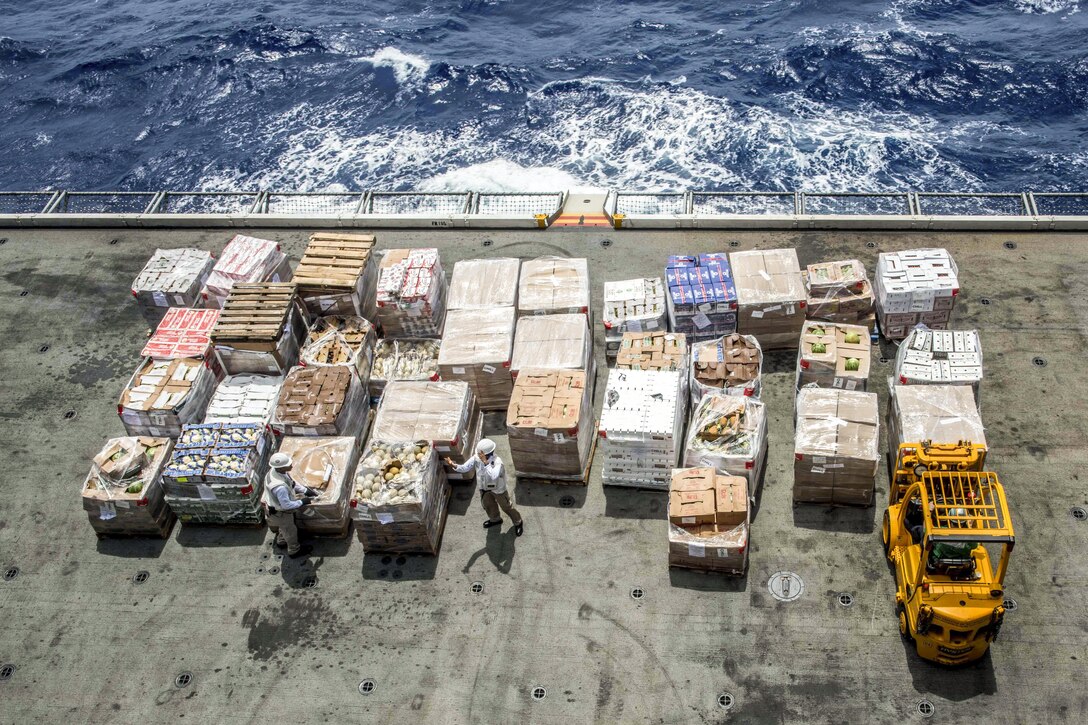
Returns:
point(341, 340)
point(163, 395)
point(411, 359)
point(327, 466)
point(216, 471)
point(185, 332)
point(728, 433)
point(245, 259)
point(730, 365)
point(633, 305)
point(411, 293)
point(940, 357)
point(478, 284)
point(840, 292)
point(702, 296)
point(445, 414)
point(260, 328)
point(653, 351)
point(554, 342)
point(122, 494)
point(641, 427)
point(550, 425)
point(771, 296)
point(336, 275)
point(476, 348)
point(325, 401)
point(708, 521)
point(837, 447)
point(554, 285)
point(941, 414)
point(244, 399)
point(171, 278)
point(400, 498)
point(915, 287)
point(834, 356)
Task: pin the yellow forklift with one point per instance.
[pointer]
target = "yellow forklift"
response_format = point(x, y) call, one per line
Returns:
point(948, 534)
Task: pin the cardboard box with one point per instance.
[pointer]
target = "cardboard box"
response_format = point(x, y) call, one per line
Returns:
point(321, 401)
point(652, 351)
point(549, 423)
point(244, 399)
point(122, 494)
point(554, 285)
point(731, 365)
point(554, 342)
point(702, 298)
point(827, 352)
point(477, 349)
point(337, 275)
point(171, 278)
point(731, 500)
point(697, 543)
point(411, 293)
point(244, 259)
point(634, 305)
point(729, 433)
point(944, 414)
point(771, 297)
point(163, 395)
point(837, 445)
point(327, 465)
point(940, 357)
point(921, 282)
point(484, 283)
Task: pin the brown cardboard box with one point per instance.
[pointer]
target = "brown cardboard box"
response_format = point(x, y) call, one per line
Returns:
point(837, 444)
point(549, 424)
point(937, 413)
point(320, 401)
point(731, 364)
point(771, 297)
point(552, 342)
point(477, 348)
point(550, 285)
point(689, 508)
point(652, 351)
point(731, 500)
point(828, 368)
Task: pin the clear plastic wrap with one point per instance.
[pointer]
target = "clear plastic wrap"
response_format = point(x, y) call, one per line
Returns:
point(405, 359)
point(442, 413)
point(171, 278)
point(915, 286)
point(771, 296)
point(633, 305)
point(183, 332)
point(244, 399)
point(327, 466)
point(709, 520)
point(940, 357)
point(122, 493)
point(941, 414)
point(730, 365)
point(840, 291)
point(702, 298)
point(163, 395)
point(653, 351)
point(550, 285)
point(411, 293)
point(834, 355)
point(549, 424)
point(837, 446)
point(552, 342)
point(728, 433)
point(244, 259)
point(322, 401)
point(711, 548)
point(484, 283)
point(641, 427)
point(476, 348)
point(341, 340)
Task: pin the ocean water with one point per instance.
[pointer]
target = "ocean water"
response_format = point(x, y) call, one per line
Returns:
point(813, 95)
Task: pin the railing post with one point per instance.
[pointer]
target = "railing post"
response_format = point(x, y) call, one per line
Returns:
point(156, 201)
point(1028, 200)
point(60, 197)
point(689, 202)
point(798, 203)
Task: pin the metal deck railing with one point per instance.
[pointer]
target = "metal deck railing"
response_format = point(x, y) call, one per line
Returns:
point(682, 209)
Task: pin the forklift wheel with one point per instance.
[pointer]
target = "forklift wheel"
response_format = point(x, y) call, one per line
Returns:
point(904, 628)
point(886, 533)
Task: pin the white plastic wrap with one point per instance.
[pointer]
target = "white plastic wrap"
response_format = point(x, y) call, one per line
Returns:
point(771, 296)
point(730, 365)
point(171, 278)
point(122, 494)
point(915, 286)
point(244, 399)
point(411, 293)
point(341, 340)
point(836, 446)
point(552, 342)
point(163, 395)
point(484, 283)
point(244, 259)
point(940, 357)
point(840, 291)
point(641, 427)
point(941, 414)
point(406, 359)
point(633, 305)
point(398, 484)
point(728, 433)
point(551, 285)
point(476, 348)
point(441, 413)
point(833, 355)
point(326, 465)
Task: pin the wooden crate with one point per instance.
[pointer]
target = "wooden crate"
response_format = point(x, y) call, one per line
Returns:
point(333, 261)
point(255, 312)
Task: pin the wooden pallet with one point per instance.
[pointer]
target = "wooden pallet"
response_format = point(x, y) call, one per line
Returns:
point(334, 261)
point(582, 480)
point(255, 312)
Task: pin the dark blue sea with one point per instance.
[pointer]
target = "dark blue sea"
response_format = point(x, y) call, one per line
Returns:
point(930, 95)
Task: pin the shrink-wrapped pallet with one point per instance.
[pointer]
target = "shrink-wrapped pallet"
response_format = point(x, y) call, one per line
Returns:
point(171, 278)
point(122, 494)
point(445, 414)
point(164, 395)
point(641, 427)
point(730, 365)
point(633, 305)
point(709, 520)
point(321, 401)
point(728, 433)
point(834, 355)
point(549, 424)
point(484, 283)
point(476, 349)
point(185, 332)
point(940, 357)
point(771, 297)
point(327, 465)
point(702, 295)
point(341, 340)
point(244, 399)
point(917, 286)
point(407, 359)
point(260, 328)
point(653, 351)
point(400, 498)
point(554, 285)
point(244, 259)
point(837, 447)
point(840, 292)
point(411, 293)
point(940, 414)
point(337, 275)
point(552, 342)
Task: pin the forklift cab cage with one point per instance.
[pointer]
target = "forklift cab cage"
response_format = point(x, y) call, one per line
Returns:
point(913, 460)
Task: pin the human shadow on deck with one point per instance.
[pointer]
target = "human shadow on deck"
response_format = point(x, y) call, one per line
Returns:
point(133, 548)
point(196, 535)
point(528, 492)
point(499, 546)
point(951, 683)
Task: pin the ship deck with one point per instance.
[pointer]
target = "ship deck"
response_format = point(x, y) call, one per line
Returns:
point(555, 611)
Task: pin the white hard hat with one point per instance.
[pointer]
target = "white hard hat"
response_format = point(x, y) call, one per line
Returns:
point(485, 446)
point(280, 460)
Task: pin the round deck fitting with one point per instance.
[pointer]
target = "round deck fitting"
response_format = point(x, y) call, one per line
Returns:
point(367, 686)
point(637, 593)
point(726, 701)
point(538, 693)
point(785, 586)
point(183, 680)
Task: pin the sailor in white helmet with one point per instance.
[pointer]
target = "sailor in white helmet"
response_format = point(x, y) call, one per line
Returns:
point(284, 496)
point(491, 480)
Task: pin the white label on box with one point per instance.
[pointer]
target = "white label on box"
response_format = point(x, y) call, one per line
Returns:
point(384, 518)
point(772, 308)
point(651, 324)
point(559, 438)
point(701, 320)
point(123, 504)
point(835, 465)
point(107, 511)
point(851, 384)
point(634, 325)
point(705, 307)
point(324, 304)
point(542, 432)
point(819, 459)
point(206, 492)
point(160, 299)
point(790, 309)
point(130, 417)
point(489, 369)
point(155, 432)
point(458, 371)
point(757, 313)
point(158, 419)
point(819, 469)
point(838, 382)
point(696, 549)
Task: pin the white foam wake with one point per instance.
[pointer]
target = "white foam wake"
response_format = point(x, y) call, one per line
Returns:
point(405, 66)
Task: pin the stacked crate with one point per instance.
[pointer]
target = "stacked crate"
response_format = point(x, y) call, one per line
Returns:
point(336, 275)
point(341, 340)
point(771, 297)
point(478, 284)
point(549, 425)
point(940, 357)
point(709, 521)
point(216, 473)
point(633, 305)
point(400, 498)
point(185, 332)
point(914, 287)
point(840, 292)
point(702, 295)
point(171, 278)
point(554, 285)
point(244, 399)
point(653, 351)
point(730, 365)
point(164, 395)
point(476, 348)
point(122, 494)
point(728, 433)
point(552, 342)
point(411, 293)
point(245, 259)
point(834, 356)
point(641, 427)
point(837, 447)
point(940, 414)
point(325, 464)
point(321, 401)
point(259, 328)
point(446, 414)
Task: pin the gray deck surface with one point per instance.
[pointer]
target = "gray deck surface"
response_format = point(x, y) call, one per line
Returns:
point(91, 646)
